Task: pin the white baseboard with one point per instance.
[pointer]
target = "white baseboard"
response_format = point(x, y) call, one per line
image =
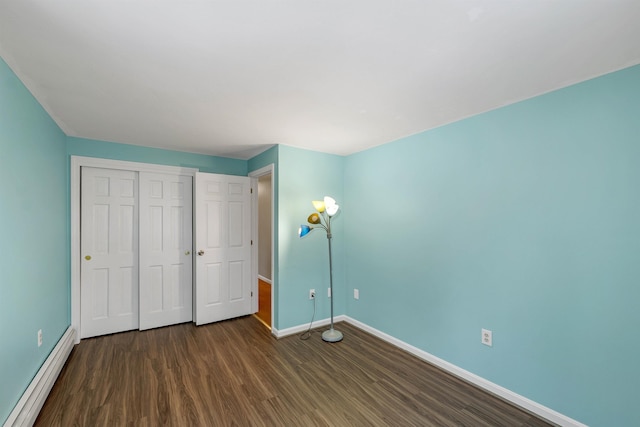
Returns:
point(264, 279)
point(28, 407)
point(302, 328)
point(508, 395)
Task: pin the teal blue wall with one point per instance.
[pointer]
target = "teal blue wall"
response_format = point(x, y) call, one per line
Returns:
point(263, 159)
point(304, 263)
point(34, 262)
point(134, 153)
point(524, 220)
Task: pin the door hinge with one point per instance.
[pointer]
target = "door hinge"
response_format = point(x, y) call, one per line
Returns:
point(252, 243)
point(251, 293)
point(251, 190)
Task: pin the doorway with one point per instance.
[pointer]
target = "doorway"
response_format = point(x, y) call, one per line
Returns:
point(262, 182)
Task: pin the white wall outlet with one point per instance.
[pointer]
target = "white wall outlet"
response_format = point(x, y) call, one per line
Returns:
point(487, 337)
point(356, 294)
point(329, 292)
point(39, 337)
point(312, 293)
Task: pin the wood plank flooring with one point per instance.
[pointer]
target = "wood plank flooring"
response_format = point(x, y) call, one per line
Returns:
point(264, 302)
point(234, 373)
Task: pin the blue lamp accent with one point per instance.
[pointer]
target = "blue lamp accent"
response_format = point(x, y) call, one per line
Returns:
point(304, 230)
point(322, 219)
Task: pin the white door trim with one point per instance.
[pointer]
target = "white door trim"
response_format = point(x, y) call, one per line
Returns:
point(76, 163)
point(254, 175)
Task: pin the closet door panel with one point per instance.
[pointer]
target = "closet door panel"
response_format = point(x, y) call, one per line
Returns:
point(166, 267)
point(109, 250)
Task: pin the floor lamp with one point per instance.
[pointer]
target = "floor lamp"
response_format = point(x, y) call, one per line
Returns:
point(322, 219)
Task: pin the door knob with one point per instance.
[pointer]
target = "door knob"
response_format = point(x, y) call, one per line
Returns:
point(187, 253)
point(88, 257)
point(200, 252)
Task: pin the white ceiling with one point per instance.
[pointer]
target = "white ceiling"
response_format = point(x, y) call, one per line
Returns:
point(233, 77)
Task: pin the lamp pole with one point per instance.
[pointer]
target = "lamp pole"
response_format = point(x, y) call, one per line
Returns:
point(331, 335)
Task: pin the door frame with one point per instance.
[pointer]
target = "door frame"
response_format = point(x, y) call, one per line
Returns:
point(78, 162)
point(254, 175)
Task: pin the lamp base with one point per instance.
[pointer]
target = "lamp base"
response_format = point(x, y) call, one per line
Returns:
point(332, 335)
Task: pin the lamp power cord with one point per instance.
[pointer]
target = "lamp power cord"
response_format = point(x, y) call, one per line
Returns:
point(307, 334)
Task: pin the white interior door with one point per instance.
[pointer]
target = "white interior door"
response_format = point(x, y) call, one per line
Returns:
point(166, 267)
point(223, 245)
point(109, 250)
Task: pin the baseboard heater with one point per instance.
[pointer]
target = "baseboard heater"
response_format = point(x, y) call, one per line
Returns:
point(28, 407)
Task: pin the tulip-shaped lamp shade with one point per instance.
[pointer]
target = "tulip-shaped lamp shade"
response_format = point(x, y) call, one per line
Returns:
point(332, 210)
point(330, 206)
point(304, 230)
point(314, 218)
point(319, 205)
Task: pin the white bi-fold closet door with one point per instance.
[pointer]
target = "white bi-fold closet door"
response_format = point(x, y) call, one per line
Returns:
point(109, 242)
point(166, 265)
point(136, 269)
point(134, 265)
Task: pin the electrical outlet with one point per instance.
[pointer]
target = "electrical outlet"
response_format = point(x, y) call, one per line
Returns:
point(312, 293)
point(356, 294)
point(39, 337)
point(487, 337)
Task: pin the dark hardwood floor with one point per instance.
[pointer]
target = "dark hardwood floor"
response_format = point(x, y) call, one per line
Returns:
point(264, 302)
point(234, 373)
